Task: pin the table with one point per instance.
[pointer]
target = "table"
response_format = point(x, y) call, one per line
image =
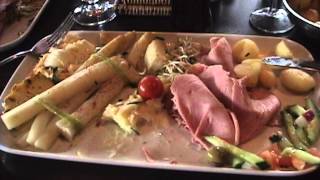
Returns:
point(227, 16)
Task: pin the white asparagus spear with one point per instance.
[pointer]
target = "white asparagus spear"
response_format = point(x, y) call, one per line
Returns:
point(131, 38)
point(39, 125)
point(80, 81)
point(45, 141)
point(92, 108)
point(116, 46)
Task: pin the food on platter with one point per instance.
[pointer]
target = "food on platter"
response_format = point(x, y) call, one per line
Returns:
point(309, 9)
point(246, 109)
point(267, 78)
point(250, 70)
point(24, 90)
point(90, 108)
point(220, 53)
point(297, 80)
point(241, 154)
point(59, 64)
point(255, 72)
point(201, 123)
point(50, 131)
point(155, 56)
point(282, 50)
point(134, 113)
point(137, 53)
point(245, 49)
point(116, 46)
point(302, 126)
point(143, 88)
point(81, 81)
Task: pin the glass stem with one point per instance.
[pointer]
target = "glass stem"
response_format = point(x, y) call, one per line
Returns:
point(90, 1)
point(273, 6)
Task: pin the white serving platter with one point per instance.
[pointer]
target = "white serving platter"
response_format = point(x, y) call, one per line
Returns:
point(107, 145)
point(16, 32)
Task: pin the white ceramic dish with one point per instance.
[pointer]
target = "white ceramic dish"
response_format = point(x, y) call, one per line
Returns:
point(10, 37)
point(97, 144)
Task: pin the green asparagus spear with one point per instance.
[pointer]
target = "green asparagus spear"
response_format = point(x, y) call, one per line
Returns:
point(313, 128)
point(237, 162)
point(220, 156)
point(302, 135)
point(303, 155)
point(281, 141)
point(288, 121)
point(217, 155)
point(296, 111)
point(249, 157)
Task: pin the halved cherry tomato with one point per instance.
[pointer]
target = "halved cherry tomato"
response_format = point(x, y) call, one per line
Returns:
point(150, 87)
point(285, 161)
point(271, 157)
point(298, 163)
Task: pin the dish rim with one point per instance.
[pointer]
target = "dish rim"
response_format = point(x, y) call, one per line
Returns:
point(139, 164)
point(297, 15)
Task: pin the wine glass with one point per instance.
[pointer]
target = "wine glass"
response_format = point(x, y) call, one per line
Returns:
point(271, 19)
point(94, 12)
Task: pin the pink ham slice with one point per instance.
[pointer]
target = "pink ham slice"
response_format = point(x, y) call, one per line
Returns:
point(220, 53)
point(201, 112)
point(252, 114)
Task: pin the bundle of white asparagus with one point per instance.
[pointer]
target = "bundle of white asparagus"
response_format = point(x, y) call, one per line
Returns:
point(68, 106)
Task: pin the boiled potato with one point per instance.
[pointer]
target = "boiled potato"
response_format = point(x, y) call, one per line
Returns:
point(245, 49)
point(297, 80)
point(249, 61)
point(243, 70)
point(249, 70)
point(283, 50)
point(267, 78)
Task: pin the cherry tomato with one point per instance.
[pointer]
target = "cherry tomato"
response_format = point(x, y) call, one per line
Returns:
point(285, 161)
point(271, 157)
point(150, 87)
point(298, 163)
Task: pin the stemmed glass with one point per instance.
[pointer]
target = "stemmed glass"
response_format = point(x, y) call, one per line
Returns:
point(94, 12)
point(271, 19)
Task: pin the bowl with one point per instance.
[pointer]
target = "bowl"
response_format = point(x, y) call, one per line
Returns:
point(311, 29)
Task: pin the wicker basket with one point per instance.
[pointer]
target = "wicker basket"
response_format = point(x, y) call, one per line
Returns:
point(145, 7)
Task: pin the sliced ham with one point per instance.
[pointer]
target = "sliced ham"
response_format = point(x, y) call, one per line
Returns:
point(252, 114)
point(220, 53)
point(201, 112)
